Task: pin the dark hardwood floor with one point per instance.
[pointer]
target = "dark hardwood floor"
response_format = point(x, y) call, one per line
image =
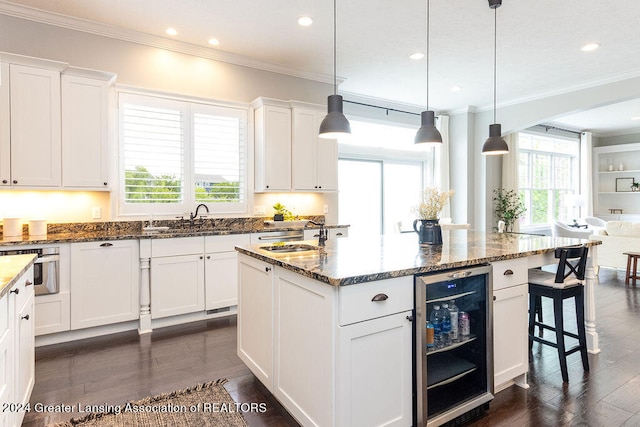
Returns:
point(123, 367)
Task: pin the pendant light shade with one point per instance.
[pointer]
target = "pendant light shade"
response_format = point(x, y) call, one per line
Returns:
point(335, 124)
point(427, 132)
point(495, 145)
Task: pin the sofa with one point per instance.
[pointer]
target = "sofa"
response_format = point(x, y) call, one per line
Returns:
point(617, 237)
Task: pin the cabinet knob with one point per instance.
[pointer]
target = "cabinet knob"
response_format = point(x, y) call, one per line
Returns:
point(28, 283)
point(267, 186)
point(15, 291)
point(380, 297)
point(201, 257)
point(319, 186)
point(410, 318)
point(208, 256)
point(267, 269)
point(106, 245)
point(104, 183)
point(25, 317)
point(508, 273)
point(495, 298)
point(15, 181)
point(4, 181)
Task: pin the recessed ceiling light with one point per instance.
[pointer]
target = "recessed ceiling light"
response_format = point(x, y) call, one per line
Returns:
point(171, 31)
point(214, 42)
point(590, 47)
point(305, 21)
point(635, 118)
point(456, 88)
point(416, 56)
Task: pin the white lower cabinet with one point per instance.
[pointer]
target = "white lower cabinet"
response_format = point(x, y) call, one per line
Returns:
point(105, 285)
point(255, 318)
point(17, 349)
point(374, 364)
point(510, 323)
point(330, 355)
point(177, 285)
point(221, 270)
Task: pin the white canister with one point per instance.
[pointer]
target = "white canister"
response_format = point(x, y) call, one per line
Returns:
point(12, 227)
point(38, 227)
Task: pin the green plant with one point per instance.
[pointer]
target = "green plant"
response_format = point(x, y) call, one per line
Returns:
point(508, 207)
point(432, 202)
point(280, 209)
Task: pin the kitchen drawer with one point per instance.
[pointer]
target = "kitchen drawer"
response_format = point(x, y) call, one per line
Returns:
point(226, 243)
point(356, 301)
point(510, 273)
point(177, 246)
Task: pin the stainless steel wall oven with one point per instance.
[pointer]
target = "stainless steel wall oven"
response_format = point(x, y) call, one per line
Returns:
point(46, 269)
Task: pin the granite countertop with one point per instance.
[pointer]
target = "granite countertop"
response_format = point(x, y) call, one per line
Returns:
point(349, 261)
point(123, 231)
point(11, 267)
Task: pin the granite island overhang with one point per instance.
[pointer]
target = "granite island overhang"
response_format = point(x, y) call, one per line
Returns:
point(356, 260)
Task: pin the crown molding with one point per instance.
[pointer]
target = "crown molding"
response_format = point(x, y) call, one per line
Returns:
point(118, 33)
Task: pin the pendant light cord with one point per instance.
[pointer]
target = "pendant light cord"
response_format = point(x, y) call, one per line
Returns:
point(335, 79)
point(428, 54)
point(495, 52)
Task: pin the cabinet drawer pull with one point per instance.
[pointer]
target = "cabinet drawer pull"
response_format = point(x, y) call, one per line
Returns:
point(4, 181)
point(508, 272)
point(339, 234)
point(106, 245)
point(15, 181)
point(28, 283)
point(410, 318)
point(26, 317)
point(267, 269)
point(495, 298)
point(15, 291)
point(380, 297)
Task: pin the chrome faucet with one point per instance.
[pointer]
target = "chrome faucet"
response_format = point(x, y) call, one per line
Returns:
point(193, 216)
point(322, 236)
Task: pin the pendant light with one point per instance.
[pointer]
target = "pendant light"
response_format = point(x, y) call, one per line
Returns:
point(427, 132)
point(495, 145)
point(335, 124)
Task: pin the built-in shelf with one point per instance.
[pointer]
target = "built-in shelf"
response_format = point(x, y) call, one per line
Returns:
point(621, 172)
point(619, 192)
point(605, 181)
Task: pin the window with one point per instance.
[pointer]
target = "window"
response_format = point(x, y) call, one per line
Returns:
point(177, 154)
point(381, 175)
point(549, 170)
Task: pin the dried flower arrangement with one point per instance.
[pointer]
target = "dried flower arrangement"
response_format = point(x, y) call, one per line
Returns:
point(432, 202)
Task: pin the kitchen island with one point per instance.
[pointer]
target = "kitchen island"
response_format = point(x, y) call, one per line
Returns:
point(329, 332)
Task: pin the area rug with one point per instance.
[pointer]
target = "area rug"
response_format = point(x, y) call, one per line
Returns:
point(204, 405)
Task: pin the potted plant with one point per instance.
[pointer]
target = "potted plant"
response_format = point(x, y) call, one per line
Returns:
point(281, 212)
point(508, 207)
point(635, 186)
point(432, 202)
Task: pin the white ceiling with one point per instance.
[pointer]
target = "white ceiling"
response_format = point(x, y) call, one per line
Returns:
point(538, 45)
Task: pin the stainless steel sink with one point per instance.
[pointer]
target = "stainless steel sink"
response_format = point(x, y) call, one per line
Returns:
point(289, 248)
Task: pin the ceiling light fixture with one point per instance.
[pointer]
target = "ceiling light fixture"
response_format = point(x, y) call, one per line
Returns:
point(495, 145)
point(416, 56)
point(635, 118)
point(214, 42)
point(427, 132)
point(305, 21)
point(335, 124)
point(590, 47)
point(171, 32)
point(456, 88)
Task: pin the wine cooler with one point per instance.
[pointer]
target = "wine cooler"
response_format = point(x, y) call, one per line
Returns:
point(453, 368)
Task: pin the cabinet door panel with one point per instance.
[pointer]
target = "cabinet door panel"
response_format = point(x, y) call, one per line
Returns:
point(304, 143)
point(255, 318)
point(273, 148)
point(104, 283)
point(5, 128)
point(84, 132)
point(510, 337)
point(221, 275)
point(374, 365)
point(25, 374)
point(35, 126)
point(177, 285)
point(327, 164)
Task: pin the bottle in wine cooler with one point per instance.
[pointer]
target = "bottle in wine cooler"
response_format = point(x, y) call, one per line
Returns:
point(464, 324)
point(436, 321)
point(446, 324)
point(453, 311)
point(430, 337)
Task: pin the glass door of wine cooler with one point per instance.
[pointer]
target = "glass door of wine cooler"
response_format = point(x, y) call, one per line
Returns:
point(454, 372)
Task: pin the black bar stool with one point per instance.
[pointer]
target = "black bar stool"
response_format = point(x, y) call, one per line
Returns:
point(559, 286)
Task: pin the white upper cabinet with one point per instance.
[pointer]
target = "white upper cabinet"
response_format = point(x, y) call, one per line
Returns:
point(85, 145)
point(35, 126)
point(272, 148)
point(314, 160)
